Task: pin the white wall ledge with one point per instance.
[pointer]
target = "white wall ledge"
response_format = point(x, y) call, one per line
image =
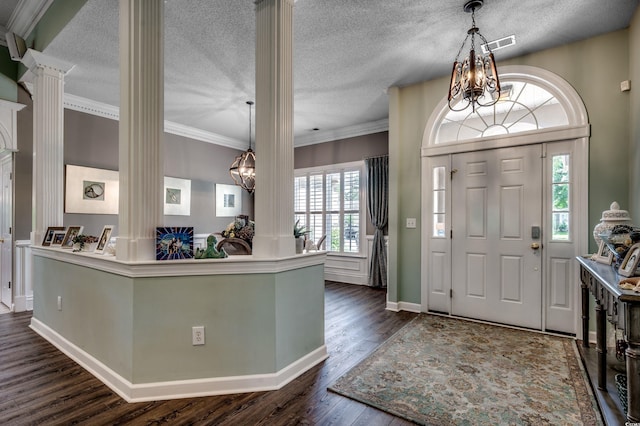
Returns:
point(232, 265)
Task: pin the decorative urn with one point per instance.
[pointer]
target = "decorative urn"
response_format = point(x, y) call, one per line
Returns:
point(610, 218)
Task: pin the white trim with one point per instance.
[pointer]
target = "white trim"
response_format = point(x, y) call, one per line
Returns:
point(23, 285)
point(100, 109)
point(26, 16)
point(404, 306)
point(556, 85)
point(192, 388)
point(342, 133)
point(232, 265)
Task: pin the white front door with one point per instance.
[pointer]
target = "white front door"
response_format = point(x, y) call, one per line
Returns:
point(6, 240)
point(496, 210)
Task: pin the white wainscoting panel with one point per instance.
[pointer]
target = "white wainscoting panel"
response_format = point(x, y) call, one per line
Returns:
point(23, 285)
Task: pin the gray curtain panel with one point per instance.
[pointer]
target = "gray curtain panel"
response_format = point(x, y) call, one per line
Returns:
point(377, 170)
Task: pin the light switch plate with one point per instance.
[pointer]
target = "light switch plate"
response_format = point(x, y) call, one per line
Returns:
point(411, 222)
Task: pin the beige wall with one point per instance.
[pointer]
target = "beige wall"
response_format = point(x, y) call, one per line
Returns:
point(594, 67)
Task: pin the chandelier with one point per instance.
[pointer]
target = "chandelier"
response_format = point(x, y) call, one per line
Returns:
point(474, 81)
point(243, 168)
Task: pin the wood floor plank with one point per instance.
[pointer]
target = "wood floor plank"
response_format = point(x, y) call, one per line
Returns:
point(40, 385)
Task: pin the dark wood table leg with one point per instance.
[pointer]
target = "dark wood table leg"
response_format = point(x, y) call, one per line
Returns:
point(632, 335)
point(601, 345)
point(585, 315)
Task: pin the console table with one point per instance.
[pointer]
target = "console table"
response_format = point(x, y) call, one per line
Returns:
point(620, 307)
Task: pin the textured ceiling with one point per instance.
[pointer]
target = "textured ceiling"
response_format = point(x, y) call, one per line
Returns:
point(346, 53)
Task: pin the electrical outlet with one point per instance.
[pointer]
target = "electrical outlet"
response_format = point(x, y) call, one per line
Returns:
point(197, 335)
point(59, 303)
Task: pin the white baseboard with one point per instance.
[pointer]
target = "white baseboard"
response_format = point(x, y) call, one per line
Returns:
point(191, 388)
point(592, 337)
point(20, 304)
point(404, 306)
point(341, 277)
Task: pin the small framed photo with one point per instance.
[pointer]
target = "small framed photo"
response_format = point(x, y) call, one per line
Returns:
point(604, 254)
point(103, 241)
point(57, 237)
point(48, 236)
point(174, 243)
point(630, 263)
point(71, 233)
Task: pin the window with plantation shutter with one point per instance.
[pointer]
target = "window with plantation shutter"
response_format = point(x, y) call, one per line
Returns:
point(327, 201)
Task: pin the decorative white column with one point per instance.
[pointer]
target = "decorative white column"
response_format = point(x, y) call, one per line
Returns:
point(274, 129)
point(46, 74)
point(141, 161)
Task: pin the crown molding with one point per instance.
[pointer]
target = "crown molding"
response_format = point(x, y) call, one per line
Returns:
point(88, 106)
point(26, 16)
point(343, 133)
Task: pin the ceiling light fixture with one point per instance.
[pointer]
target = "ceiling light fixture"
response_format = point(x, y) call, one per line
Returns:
point(474, 81)
point(243, 168)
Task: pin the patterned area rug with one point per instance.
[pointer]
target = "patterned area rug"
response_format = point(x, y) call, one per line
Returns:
point(444, 371)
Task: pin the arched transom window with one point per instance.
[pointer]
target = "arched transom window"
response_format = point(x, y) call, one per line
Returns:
point(523, 106)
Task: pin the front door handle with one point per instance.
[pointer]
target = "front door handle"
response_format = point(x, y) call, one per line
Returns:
point(535, 246)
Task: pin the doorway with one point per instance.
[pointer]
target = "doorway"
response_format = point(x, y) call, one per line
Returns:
point(496, 207)
point(497, 245)
point(6, 239)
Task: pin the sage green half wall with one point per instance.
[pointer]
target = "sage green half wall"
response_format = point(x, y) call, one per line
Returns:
point(141, 327)
point(594, 67)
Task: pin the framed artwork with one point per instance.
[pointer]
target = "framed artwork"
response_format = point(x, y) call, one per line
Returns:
point(228, 200)
point(630, 263)
point(57, 237)
point(174, 243)
point(48, 236)
point(91, 191)
point(604, 254)
point(105, 236)
point(177, 196)
point(72, 231)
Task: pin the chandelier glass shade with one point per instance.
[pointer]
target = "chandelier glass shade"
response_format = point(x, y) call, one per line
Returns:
point(474, 81)
point(243, 168)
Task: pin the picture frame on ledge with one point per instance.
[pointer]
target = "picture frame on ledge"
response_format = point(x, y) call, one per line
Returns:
point(103, 241)
point(604, 254)
point(48, 236)
point(57, 238)
point(630, 263)
point(174, 243)
point(71, 233)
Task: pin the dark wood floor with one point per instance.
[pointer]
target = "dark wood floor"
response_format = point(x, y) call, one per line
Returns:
point(40, 385)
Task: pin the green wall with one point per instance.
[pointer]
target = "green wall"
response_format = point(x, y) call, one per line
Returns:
point(594, 67)
point(8, 76)
point(634, 116)
point(141, 327)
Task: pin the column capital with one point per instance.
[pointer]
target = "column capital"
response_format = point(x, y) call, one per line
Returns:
point(35, 60)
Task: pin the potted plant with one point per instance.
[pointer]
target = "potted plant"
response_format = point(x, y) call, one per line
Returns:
point(299, 233)
point(81, 241)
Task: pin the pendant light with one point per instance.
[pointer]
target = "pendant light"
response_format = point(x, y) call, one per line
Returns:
point(474, 81)
point(243, 168)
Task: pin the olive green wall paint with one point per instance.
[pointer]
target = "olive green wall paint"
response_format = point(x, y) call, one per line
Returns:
point(634, 95)
point(141, 327)
point(594, 67)
point(8, 76)
point(57, 16)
